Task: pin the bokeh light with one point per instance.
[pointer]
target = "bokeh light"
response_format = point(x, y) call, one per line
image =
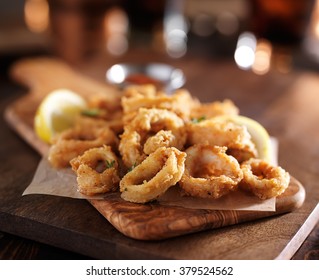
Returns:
point(263, 55)
point(227, 23)
point(245, 51)
point(36, 15)
point(116, 28)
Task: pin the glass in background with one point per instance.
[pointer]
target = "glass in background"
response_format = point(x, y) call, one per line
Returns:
point(282, 22)
point(279, 28)
point(23, 31)
point(258, 34)
point(214, 26)
point(19, 31)
point(311, 40)
point(77, 28)
point(145, 19)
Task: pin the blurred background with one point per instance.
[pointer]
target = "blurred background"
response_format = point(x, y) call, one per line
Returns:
point(255, 34)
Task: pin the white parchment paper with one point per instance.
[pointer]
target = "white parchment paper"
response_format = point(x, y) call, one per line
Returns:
point(62, 182)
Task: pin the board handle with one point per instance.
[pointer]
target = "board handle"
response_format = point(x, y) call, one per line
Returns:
point(42, 75)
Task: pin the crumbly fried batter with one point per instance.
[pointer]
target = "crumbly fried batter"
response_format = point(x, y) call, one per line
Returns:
point(225, 134)
point(148, 127)
point(181, 102)
point(213, 109)
point(210, 172)
point(263, 179)
point(75, 141)
point(154, 176)
point(164, 140)
point(97, 171)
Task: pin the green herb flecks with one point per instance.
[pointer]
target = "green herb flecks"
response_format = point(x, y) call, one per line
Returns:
point(109, 164)
point(198, 120)
point(132, 167)
point(94, 112)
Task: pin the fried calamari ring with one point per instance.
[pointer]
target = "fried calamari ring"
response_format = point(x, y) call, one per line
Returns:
point(223, 133)
point(210, 172)
point(163, 138)
point(97, 171)
point(181, 103)
point(102, 118)
point(150, 123)
point(104, 100)
point(75, 141)
point(154, 176)
point(147, 90)
point(217, 108)
point(263, 179)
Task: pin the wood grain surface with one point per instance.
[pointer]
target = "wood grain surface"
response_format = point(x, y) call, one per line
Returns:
point(145, 222)
point(153, 221)
point(76, 226)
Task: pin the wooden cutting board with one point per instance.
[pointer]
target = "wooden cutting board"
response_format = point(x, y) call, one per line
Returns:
point(151, 221)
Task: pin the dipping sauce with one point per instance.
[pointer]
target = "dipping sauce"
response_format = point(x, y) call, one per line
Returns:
point(162, 76)
point(141, 79)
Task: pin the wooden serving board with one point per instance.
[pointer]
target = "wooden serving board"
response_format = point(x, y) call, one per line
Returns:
point(151, 221)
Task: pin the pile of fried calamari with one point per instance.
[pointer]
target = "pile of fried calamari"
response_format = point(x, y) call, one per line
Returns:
point(151, 141)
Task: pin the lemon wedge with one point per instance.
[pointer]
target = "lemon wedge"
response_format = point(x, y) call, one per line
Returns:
point(57, 112)
point(259, 134)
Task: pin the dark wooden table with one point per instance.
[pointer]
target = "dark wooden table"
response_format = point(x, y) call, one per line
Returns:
point(286, 104)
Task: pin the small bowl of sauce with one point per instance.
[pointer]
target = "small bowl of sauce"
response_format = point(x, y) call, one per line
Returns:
point(161, 75)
